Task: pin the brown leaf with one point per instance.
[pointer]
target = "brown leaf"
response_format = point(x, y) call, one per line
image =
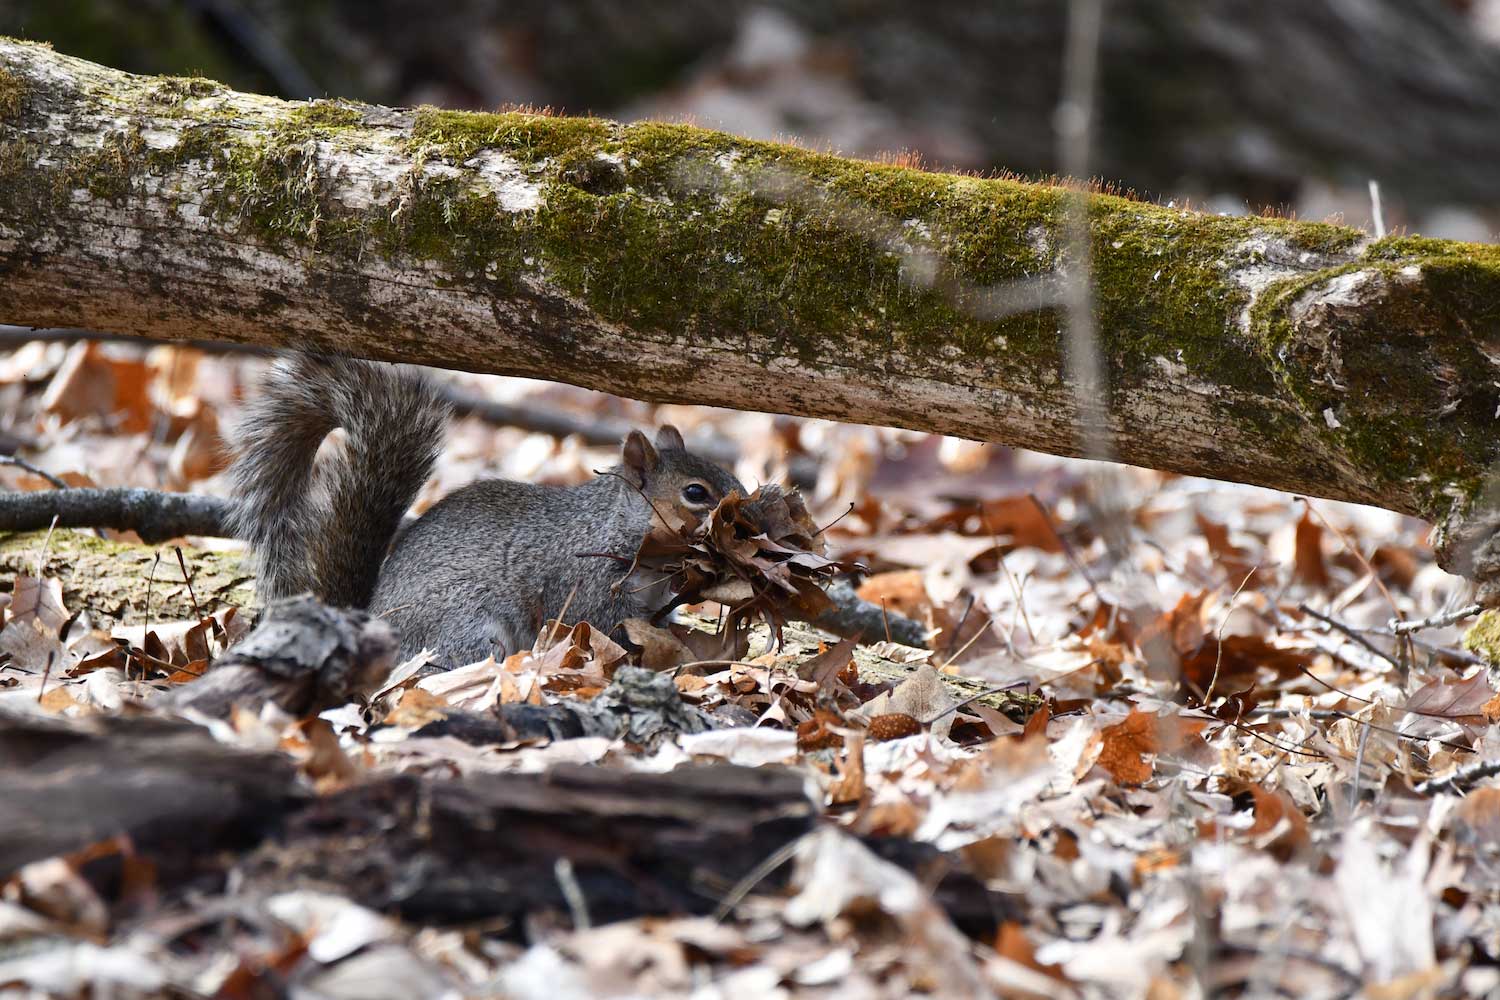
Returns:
point(1016, 520)
point(1239, 658)
point(849, 787)
point(91, 382)
point(1479, 813)
point(416, 709)
point(1271, 808)
point(1309, 566)
point(761, 555)
point(1011, 942)
point(1126, 746)
point(824, 667)
point(893, 726)
point(1462, 701)
point(899, 592)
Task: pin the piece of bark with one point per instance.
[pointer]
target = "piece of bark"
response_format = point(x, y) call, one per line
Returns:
point(668, 262)
point(166, 784)
point(303, 655)
point(119, 583)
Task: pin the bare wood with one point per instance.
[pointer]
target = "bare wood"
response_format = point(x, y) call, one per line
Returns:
point(671, 263)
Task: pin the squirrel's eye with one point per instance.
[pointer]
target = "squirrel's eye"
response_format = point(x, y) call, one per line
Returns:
point(695, 493)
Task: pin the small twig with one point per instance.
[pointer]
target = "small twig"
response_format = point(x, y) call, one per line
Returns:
point(1010, 577)
point(1377, 216)
point(1360, 556)
point(51, 656)
point(1219, 638)
point(1459, 778)
point(965, 648)
point(187, 579)
point(150, 582)
point(557, 623)
point(1267, 740)
point(885, 619)
point(573, 893)
point(1359, 765)
point(24, 465)
point(973, 697)
point(41, 553)
point(1067, 547)
point(834, 521)
point(1350, 633)
point(757, 875)
point(1442, 620)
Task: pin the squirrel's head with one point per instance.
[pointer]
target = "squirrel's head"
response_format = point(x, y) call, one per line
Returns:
point(674, 479)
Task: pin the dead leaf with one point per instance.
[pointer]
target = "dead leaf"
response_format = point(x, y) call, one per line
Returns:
point(1464, 702)
point(41, 599)
point(1126, 747)
point(416, 709)
point(1309, 566)
point(899, 592)
point(923, 696)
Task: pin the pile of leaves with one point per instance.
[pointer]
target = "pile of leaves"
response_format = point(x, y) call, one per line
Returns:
point(760, 556)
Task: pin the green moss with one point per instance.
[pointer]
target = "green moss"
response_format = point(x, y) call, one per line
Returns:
point(108, 172)
point(1421, 340)
point(458, 135)
point(173, 90)
point(271, 186)
point(13, 92)
point(1483, 637)
point(325, 117)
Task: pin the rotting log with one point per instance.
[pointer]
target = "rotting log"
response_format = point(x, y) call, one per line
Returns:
point(433, 850)
point(671, 263)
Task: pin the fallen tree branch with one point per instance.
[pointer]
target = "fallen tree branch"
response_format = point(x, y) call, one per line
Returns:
point(154, 515)
point(671, 263)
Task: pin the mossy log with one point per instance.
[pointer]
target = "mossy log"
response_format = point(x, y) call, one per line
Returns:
point(667, 262)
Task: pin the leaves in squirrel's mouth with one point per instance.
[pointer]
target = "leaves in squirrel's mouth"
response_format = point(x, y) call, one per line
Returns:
point(760, 556)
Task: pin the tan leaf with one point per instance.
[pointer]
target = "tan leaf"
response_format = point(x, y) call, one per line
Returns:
point(41, 599)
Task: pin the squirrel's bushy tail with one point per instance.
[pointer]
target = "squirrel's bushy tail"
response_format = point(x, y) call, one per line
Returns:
point(329, 533)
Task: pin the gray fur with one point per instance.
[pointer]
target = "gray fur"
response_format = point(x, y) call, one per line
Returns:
point(479, 572)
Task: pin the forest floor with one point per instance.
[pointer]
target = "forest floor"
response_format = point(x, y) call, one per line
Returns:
point(1235, 777)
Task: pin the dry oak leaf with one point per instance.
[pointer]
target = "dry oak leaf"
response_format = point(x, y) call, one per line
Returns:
point(1126, 746)
point(1465, 702)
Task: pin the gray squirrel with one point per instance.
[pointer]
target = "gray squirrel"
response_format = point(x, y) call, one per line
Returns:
point(486, 566)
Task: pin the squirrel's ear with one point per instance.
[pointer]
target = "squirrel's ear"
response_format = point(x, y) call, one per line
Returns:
point(640, 454)
point(669, 438)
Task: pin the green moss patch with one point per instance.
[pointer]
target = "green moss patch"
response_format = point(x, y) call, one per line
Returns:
point(13, 92)
point(1483, 637)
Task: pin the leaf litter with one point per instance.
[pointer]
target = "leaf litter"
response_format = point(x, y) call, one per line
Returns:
point(1207, 781)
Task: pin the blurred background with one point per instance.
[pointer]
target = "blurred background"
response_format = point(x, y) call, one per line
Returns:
point(1238, 105)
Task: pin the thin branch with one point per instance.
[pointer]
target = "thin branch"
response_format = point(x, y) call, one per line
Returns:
point(1442, 620)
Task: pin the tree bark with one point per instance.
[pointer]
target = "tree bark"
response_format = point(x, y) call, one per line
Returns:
point(671, 263)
